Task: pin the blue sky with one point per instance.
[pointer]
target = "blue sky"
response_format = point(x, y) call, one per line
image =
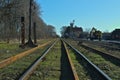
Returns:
point(101, 14)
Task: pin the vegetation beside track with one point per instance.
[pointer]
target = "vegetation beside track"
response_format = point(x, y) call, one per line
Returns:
point(54, 66)
point(109, 68)
point(49, 68)
point(81, 71)
point(11, 49)
point(14, 70)
point(115, 53)
point(8, 50)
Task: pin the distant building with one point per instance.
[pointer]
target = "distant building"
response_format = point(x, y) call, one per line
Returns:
point(76, 31)
point(73, 32)
point(115, 35)
point(106, 36)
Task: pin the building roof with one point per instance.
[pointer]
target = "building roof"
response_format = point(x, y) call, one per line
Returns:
point(77, 29)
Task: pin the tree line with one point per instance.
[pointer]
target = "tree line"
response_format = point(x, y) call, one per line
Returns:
point(11, 13)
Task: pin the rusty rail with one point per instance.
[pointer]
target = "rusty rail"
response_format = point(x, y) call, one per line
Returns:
point(101, 73)
point(71, 64)
point(20, 55)
point(27, 73)
point(104, 54)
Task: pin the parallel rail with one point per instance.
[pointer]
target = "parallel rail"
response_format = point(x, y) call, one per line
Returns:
point(20, 55)
point(104, 54)
point(101, 73)
point(29, 71)
point(71, 64)
point(113, 48)
point(105, 45)
point(27, 74)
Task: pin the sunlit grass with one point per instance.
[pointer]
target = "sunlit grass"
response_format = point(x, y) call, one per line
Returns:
point(49, 68)
point(81, 71)
point(105, 49)
point(109, 68)
point(8, 50)
point(13, 71)
point(11, 49)
point(8, 46)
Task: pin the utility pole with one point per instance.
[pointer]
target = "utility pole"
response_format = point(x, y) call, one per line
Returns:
point(30, 42)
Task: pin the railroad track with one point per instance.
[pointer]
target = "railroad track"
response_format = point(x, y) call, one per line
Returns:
point(67, 60)
point(10, 60)
point(100, 75)
point(72, 73)
point(113, 59)
point(55, 63)
point(109, 64)
point(111, 56)
point(16, 68)
point(104, 44)
point(27, 73)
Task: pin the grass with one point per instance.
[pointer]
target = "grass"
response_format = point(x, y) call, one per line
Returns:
point(8, 50)
point(49, 68)
point(109, 68)
point(105, 49)
point(55, 66)
point(81, 71)
point(8, 46)
point(14, 70)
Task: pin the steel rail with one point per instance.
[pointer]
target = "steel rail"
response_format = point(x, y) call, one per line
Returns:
point(26, 75)
point(104, 45)
point(117, 60)
point(107, 46)
point(103, 75)
point(71, 64)
point(20, 55)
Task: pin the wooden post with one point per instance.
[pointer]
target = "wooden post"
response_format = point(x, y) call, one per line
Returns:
point(34, 32)
point(22, 33)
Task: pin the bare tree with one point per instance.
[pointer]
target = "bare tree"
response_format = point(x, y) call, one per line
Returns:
point(8, 18)
point(11, 12)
